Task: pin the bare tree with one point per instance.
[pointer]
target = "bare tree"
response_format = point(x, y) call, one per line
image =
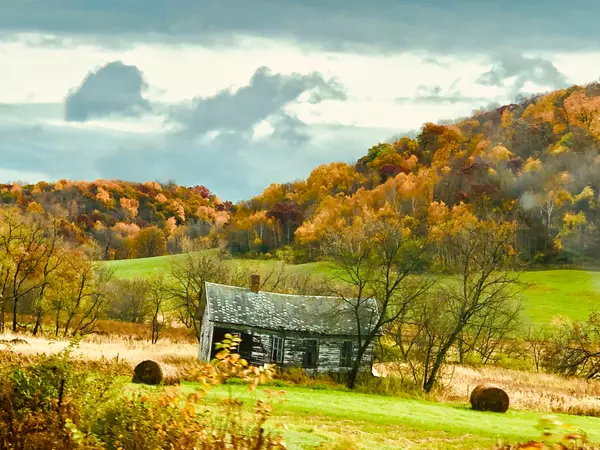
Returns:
point(419, 334)
point(487, 333)
point(537, 341)
point(129, 300)
point(377, 262)
point(158, 296)
point(485, 285)
point(189, 278)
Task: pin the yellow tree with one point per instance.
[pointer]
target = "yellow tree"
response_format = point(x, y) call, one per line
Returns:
point(29, 253)
point(479, 251)
point(584, 111)
point(150, 242)
point(80, 297)
point(329, 179)
point(575, 229)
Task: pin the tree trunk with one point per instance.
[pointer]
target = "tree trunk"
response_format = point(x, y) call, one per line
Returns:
point(155, 330)
point(2, 308)
point(439, 360)
point(57, 323)
point(14, 315)
point(353, 375)
point(38, 322)
point(68, 324)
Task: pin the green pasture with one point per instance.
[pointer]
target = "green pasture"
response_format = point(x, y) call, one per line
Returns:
point(549, 293)
point(143, 267)
point(338, 419)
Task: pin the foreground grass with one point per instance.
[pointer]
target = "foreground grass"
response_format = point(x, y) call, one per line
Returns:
point(341, 419)
point(550, 293)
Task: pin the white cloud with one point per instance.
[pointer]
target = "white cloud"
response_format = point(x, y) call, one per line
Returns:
point(9, 176)
point(262, 129)
point(579, 68)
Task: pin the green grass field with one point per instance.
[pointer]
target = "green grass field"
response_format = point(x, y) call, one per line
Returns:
point(570, 293)
point(143, 267)
point(354, 420)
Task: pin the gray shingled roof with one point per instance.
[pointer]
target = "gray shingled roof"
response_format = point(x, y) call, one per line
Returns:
point(312, 314)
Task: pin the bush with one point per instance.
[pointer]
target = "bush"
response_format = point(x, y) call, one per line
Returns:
point(41, 402)
point(392, 386)
point(49, 403)
point(573, 348)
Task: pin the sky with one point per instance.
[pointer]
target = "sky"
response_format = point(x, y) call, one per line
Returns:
point(235, 95)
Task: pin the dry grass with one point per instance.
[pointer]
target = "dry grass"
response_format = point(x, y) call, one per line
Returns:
point(526, 390)
point(133, 331)
point(530, 391)
point(108, 348)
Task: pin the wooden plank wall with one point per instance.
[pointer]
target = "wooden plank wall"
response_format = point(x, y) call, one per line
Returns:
point(295, 344)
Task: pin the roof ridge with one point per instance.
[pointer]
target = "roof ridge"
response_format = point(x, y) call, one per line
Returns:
point(282, 294)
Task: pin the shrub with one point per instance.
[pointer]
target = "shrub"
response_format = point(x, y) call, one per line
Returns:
point(574, 349)
point(41, 401)
point(50, 403)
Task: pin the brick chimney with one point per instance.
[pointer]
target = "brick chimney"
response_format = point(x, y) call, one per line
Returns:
point(254, 283)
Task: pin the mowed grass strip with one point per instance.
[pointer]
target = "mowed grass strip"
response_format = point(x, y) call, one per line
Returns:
point(550, 293)
point(314, 417)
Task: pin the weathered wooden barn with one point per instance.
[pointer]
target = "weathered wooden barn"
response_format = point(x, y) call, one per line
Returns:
point(316, 333)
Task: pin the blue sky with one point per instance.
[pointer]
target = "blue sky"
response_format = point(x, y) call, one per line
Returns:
point(238, 94)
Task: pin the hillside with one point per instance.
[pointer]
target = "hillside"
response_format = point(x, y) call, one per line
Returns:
point(550, 293)
point(535, 162)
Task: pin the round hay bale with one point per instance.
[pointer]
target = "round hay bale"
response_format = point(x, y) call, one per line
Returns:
point(489, 397)
point(153, 372)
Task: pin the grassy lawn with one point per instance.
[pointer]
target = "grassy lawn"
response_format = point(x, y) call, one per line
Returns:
point(143, 267)
point(352, 420)
point(571, 293)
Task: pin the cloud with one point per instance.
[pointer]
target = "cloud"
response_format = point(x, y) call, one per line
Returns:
point(231, 164)
point(348, 25)
point(265, 96)
point(522, 70)
point(435, 95)
point(58, 151)
point(291, 129)
point(31, 111)
point(212, 140)
point(114, 89)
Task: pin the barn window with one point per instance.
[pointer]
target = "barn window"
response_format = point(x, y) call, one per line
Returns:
point(311, 354)
point(277, 349)
point(347, 353)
